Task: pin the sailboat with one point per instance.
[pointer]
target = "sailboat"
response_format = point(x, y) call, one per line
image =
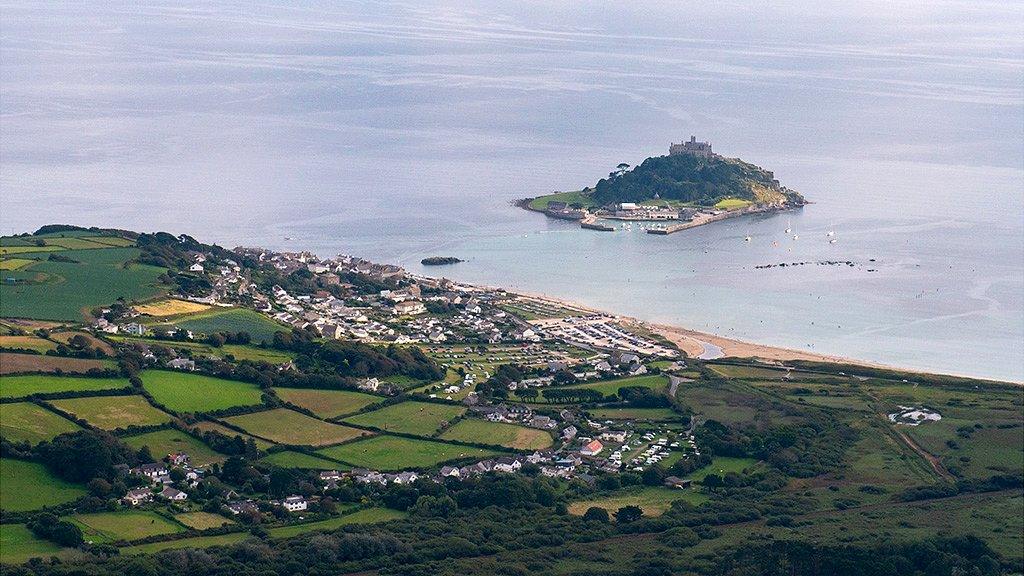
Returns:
point(789, 227)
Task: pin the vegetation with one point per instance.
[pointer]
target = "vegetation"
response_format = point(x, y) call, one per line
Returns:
point(201, 520)
point(327, 403)
point(28, 486)
point(289, 459)
point(185, 392)
point(27, 385)
point(112, 412)
point(498, 434)
point(290, 427)
point(170, 441)
point(396, 453)
point(233, 320)
point(26, 422)
point(439, 260)
point(419, 418)
point(124, 525)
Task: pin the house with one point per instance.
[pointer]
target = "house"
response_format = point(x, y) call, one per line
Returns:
point(405, 478)
point(330, 475)
point(293, 503)
point(507, 464)
point(409, 308)
point(173, 494)
point(197, 267)
point(138, 496)
point(569, 433)
point(152, 471)
point(178, 459)
point(182, 364)
point(134, 328)
point(241, 506)
point(677, 482)
point(542, 422)
point(614, 436)
point(593, 448)
point(450, 472)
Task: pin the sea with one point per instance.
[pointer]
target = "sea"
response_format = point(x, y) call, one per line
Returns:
point(396, 131)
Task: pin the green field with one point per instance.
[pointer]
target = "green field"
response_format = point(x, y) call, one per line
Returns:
point(327, 403)
point(289, 427)
point(498, 434)
point(722, 465)
point(24, 421)
point(29, 486)
point(419, 418)
point(65, 291)
point(34, 343)
point(18, 544)
point(291, 459)
point(196, 542)
point(113, 412)
point(185, 392)
point(237, 351)
point(208, 426)
point(732, 204)
point(541, 202)
point(654, 500)
point(397, 453)
point(610, 387)
point(202, 520)
point(125, 525)
point(164, 442)
point(26, 385)
point(364, 516)
point(629, 413)
point(259, 327)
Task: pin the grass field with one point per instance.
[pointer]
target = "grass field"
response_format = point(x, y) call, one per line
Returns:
point(208, 426)
point(259, 327)
point(290, 459)
point(24, 421)
point(95, 342)
point(732, 204)
point(26, 385)
point(184, 392)
point(65, 290)
point(18, 544)
point(654, 500)
point(202, 520)
point(628, 413)
point(289, 427)
point(238, 351)
point(396, 453)
point(609, 387)
point(164, 442)
point(722, 465)
point(364, 516)
point(29, 486)
point(126, 525)
point(170, 307)
point(419, 418)
point(498, 433)
point(27, 343)
point(541, 203)
point(113, 412)
point(327, 403)
point(197, 542)
point(21, 363)
point(14, 263)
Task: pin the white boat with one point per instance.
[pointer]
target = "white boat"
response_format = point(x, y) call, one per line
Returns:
point(789, 227)
point(796, 236)
point(747, 239)
point(832, 241)
point(831, 233)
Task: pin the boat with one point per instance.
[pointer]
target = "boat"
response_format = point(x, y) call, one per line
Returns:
point(789, 227)
point(832, 241)
point(796, 236)
point(747, 239)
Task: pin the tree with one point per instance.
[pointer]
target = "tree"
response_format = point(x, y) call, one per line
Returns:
point(597, 514)
point(653, 475)
point(628, 514)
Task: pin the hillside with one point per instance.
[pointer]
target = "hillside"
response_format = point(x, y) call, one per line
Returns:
point(693, 179)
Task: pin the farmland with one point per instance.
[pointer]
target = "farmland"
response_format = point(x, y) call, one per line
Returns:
point(364, 516)
point(20, 363)
point(164, 442)
point(51, 290)
point(654, 500)
point(18, 544)
point(327, 403)
point(289, 427)
point(93, 341)
point(419, 418)
point(184, 392)
point(26, 343)
point(499, 434)
point(29, 486)
point(208, 426)
point(21, 386)
point(611, 387)
point(396, 453)
point(196, 542)
point(170, 307)
point(259, 327)
point(127, 525)
point(113, 412)
point(27, 422)
point(290, 459)
point(202, 520)
point(629, 413)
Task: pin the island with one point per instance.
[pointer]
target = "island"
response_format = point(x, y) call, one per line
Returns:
point(688, 187)
point(440, 260)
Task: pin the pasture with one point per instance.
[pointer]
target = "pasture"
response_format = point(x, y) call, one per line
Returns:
point(170, 307)
point(94, 342)
point(196, 542)
point(21, 363)
point(164, 442)
point(419, 418)
point(609, 387)
point(364, 516)
point(574, 197)
point(24, 342)
point(185, 392)
point(732, 204)
point(18, 544)
point(292, 459)
point(202, 520)
point(125, 525)
point(208, 426)
point(327, 403)
point(397, 453)
point(52, 290)
point(14, 263)
point(259, 327)
point(630, 413)
point(27, 422)
point(289, 427)
point(21, 386)
point(654, 500)
point(30, 486)
point(113, 412)
point(499, 434)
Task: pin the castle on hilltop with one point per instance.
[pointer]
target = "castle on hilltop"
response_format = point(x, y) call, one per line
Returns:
point(693, 148)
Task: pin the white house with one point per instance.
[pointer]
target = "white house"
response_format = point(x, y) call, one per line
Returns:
point(294, 503)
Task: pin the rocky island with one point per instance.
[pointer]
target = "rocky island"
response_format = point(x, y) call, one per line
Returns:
point(440, 260)
point(690, 186)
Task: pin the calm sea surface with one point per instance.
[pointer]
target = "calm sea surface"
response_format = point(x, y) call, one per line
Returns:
point(402, 131)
